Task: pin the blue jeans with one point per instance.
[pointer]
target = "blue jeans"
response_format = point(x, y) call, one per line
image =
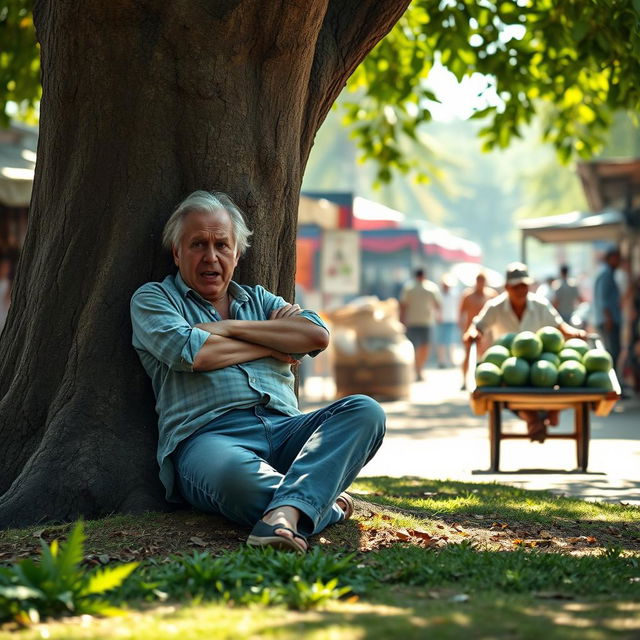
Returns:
point(250, 461)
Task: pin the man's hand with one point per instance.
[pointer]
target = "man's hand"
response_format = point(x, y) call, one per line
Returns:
point(288, 311)
point(287, 358)
point(471, 335)
point(571, 332)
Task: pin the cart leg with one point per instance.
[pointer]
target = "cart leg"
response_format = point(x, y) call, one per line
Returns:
point(583, 443)
point(577, 420)
point(495, 432)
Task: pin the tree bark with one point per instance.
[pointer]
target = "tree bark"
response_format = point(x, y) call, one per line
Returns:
point(144, 102)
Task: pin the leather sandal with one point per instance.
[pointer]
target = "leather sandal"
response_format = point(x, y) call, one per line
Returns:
point(264, 535)
point(345, 502)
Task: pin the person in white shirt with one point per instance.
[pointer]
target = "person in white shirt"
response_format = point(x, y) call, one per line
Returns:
point(419, 304)
point(515, 310)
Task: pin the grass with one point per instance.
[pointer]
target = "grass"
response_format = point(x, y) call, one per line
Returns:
point(421, 558)
point(452, 498)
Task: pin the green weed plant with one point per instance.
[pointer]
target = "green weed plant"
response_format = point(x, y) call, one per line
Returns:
point(249, 576)
point(58, 584)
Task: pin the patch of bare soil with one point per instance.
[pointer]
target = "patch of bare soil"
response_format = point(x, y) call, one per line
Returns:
point(159, 535)
point(492, 533)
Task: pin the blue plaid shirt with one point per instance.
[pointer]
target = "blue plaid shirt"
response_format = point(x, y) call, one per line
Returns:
point(163, 315)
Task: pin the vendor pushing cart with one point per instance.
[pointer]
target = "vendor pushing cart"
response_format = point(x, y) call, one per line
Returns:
point(513, 311)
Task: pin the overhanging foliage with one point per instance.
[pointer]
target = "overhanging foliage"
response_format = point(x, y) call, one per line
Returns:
point(581, 56)
point(571, 63)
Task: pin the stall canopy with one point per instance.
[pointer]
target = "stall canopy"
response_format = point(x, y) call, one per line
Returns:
point(611, 184)
point(577, 226)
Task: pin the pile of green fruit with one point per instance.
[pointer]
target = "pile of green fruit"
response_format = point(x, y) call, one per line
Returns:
point(543, 359)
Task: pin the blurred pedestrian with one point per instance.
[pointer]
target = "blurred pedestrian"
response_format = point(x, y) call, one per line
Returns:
point(565, 295)
point(470, 305)
point(607, 304)
point(419, 304)
point(545, 288)
point(446, 334)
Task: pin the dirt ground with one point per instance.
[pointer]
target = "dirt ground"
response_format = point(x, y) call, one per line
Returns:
point(129, 538)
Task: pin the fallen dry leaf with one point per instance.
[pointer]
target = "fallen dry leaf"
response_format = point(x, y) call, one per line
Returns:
point(533, 543)
point(419, 533)
point(582, 540)
point(198, 541)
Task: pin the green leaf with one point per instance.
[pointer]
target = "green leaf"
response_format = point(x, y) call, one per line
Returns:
point(20, 592)
point(72, 551)
point(579, 30)
point(68, 600)
point(29, 574)
point(109, 578)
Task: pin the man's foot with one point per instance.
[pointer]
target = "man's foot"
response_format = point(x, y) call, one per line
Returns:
point(552, 419)
point(536, 427)
point(277, 536)
point(537, 430)
point(345, 502)
point(278, 528)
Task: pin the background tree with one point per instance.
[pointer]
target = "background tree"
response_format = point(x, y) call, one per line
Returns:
point(142, 103)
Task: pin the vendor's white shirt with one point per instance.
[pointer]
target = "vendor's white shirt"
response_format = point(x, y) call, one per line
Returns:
point(497, 316)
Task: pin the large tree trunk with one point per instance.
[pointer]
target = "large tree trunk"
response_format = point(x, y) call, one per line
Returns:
point(144, 102)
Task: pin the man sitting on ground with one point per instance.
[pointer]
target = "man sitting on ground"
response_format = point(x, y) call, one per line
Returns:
point(232, 440)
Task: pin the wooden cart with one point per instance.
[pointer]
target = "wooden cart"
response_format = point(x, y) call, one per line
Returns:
point(492, 400)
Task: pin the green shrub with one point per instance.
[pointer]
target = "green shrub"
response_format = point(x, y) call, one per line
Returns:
point(57, 585)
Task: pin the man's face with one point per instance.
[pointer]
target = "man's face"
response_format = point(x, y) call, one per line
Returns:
point(206, 255)
point(517, 292)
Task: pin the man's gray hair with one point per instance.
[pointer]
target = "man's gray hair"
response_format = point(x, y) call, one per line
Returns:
point(208, 202)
